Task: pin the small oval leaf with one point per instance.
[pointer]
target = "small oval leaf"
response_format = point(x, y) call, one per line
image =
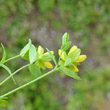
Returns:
point(32, 54)
point(25, 49)
point(35, 70)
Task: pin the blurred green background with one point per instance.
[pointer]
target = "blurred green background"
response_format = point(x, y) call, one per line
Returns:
point(45, 21)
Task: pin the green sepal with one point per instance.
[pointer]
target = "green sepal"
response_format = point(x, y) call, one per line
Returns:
point(74, 55)
point(67, 62)
point(46, 57)
point(35, 70)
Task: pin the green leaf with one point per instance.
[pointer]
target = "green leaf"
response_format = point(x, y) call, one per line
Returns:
point(67, 62)
point(65, 38)
point(8, 70)
point(26, 56)
point(69, 73)
point(74, 55)
point(46, 57)
point(25, 49)
point(32, 54)
point(66, 46)
point(4, 54)
point(52, 56)
point(4, 98)
point(35, 70)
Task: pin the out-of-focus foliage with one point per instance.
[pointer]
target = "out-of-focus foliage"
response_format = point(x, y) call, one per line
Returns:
point(92, 92)
point(89, 23)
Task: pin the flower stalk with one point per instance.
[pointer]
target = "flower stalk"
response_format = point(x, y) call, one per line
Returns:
point(29, 83)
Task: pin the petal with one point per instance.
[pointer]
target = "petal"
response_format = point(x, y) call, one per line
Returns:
point(75, 67)
point(52, 52)
point(62, 54)
point(48, 65)
point(81, 58)
point(40, 50)
point(72, 49)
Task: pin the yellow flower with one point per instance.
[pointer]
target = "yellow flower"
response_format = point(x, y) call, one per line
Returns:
point(74, 53)
point(43, 59)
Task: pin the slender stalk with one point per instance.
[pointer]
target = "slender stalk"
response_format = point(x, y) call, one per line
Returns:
point(34, 80)
point(12, 58)
point(14, 74)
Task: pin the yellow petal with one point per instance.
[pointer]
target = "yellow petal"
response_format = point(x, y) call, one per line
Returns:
point(72, 49)
point(75, 67)
point(62, 54)
point(48, 65)
point(52, 52)
point(40, 49)
point(81, 58)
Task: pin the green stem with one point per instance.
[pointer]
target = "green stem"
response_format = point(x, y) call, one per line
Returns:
point(14, 90)
point(12, 58)
point(14, 74)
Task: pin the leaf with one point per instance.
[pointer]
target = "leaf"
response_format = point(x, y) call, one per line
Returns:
point(4, 54)
point(4, 98)
point(52, 56)
point(67, 62)
point(66, 46)
point(8, 70)
point(65, 38)
point(69, 73)
point(25, 49)
point(35, 70)
point(26, 56)
point(74, 55)
point(32, 54)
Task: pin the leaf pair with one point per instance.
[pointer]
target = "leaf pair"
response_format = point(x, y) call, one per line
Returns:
point(29, 52)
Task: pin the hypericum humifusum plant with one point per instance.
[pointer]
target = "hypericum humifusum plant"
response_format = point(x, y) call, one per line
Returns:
point(40, 60)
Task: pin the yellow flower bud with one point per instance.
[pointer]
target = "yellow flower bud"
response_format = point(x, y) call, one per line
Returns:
point(72, 49)
point(81, 58)
point(75, 67)
point(48, 65)
point(40, 49)
point(62, 54)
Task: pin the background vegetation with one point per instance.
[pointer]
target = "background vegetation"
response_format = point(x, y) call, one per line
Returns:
point(45, 21)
